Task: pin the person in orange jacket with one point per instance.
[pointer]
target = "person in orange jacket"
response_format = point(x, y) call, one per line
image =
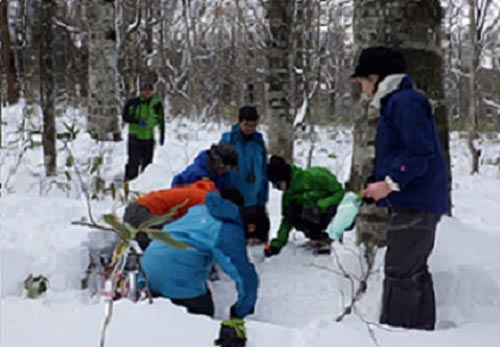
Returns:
point(159, 202)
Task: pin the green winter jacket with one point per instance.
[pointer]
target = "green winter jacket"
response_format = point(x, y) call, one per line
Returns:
point(315, 186)
point(150, 111)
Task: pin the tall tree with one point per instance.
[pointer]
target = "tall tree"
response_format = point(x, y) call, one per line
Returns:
point(279, 56)
point(413, 26)
point(8, 56)
point(47, 87)
point(103, 70)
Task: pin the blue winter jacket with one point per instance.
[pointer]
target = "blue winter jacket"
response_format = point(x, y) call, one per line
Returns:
point(199, 170)
point(215, 232)
point(408, 150)
point(252, 162)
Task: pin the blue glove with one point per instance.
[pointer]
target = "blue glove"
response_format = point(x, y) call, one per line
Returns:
point(142, 123)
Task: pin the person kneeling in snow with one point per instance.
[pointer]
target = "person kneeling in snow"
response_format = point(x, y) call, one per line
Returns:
point(309, 202)
point(214, 164)
point(215, 232)
point(160, 202)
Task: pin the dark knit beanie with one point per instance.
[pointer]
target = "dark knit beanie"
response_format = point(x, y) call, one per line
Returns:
point(381, 61)
point(278, 170)
point(248, 113)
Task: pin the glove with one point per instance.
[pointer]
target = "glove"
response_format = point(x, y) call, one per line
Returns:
point(312, 214)
point(269, 250)
point(232, 333)
point(142, 123)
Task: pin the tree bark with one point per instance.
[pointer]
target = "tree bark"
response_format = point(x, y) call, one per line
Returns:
point(8, 57)
point(473, 66)
point(278, 81)
point(47, 86)
point(413, 26)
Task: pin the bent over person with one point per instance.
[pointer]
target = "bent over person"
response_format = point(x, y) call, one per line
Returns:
point(215, 232)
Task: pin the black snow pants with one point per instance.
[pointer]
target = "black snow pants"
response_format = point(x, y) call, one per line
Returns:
point(312, 226)
point(140, 155)
point(257, 215)
point(200, 305)
point(408, 295)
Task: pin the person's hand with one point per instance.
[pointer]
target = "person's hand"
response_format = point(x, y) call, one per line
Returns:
point(377, 190)
point(142, 123)
point(269, 250)
point(232, 333)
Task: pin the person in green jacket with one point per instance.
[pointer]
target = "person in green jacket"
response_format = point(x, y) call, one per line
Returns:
point(309, 201)
point(143, 114)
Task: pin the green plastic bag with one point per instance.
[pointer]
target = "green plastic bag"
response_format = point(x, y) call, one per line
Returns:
point(346, 213)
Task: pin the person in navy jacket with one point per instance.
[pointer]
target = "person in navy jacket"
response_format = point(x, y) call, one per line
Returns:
point(251, 177)
point(213, 164)
point(215, 232)
point(411, 179)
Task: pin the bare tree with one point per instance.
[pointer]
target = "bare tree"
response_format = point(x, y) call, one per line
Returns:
point(9, 69)
point(47, 88)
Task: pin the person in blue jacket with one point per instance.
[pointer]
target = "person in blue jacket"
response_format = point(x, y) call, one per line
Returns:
point(215, 232)
point(411, 179)
point(251, 177)
point(213, 164)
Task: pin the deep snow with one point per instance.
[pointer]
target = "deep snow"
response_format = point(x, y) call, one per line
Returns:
point(300, 295)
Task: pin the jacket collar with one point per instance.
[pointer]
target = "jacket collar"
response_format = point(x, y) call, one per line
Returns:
point(235, 131)
point(389, 85)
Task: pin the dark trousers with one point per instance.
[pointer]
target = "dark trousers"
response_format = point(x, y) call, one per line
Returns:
point(199, 305)
point(313, 226)
point(136, 214)
point(408, 296)
point(257, 215)
point(140, 155)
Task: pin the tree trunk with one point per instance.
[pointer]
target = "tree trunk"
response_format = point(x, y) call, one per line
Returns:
point(473, 66)
point(8, 57)
point(102, 105)
point(413, 26)
point(278, 82)
point(47, 87)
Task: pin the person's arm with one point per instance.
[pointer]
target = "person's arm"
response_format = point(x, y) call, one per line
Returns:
point(416, 134)
point(126, 115)
point(336, 193)
point(283, 232)
point(161, 123)
point(231, 255)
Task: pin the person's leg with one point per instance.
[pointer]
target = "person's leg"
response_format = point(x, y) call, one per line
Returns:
point(134, 158)
point(148, 147)
point(408, 297)
point(260, 220)
point(200, 305)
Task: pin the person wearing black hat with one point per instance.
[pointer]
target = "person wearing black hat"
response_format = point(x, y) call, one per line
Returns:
point(213, 164)
point(143, 114)
point(251, 177)
point(309, 202)
point(411, 179)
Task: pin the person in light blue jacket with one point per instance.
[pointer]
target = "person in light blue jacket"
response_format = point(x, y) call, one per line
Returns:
point(215, 232)
point(251, 177)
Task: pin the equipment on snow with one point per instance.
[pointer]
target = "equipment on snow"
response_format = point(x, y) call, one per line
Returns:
point(35, 286)
point(347, 211)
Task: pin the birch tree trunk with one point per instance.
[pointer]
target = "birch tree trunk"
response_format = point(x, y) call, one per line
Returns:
point(102, 104)
point(413, 26)
point(278, 82)
point(47, 88)
point(473, 66)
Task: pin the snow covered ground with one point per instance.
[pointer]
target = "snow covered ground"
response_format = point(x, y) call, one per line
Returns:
point(300, 295)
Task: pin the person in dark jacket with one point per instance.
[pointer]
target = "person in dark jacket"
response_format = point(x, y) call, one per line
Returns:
point(214, 164)
point(215, 232)
point(411, 179)
point(143, 114)
point(309, 202)
point(251, 177)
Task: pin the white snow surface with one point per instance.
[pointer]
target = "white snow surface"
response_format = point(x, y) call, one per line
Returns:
point(300, 295)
